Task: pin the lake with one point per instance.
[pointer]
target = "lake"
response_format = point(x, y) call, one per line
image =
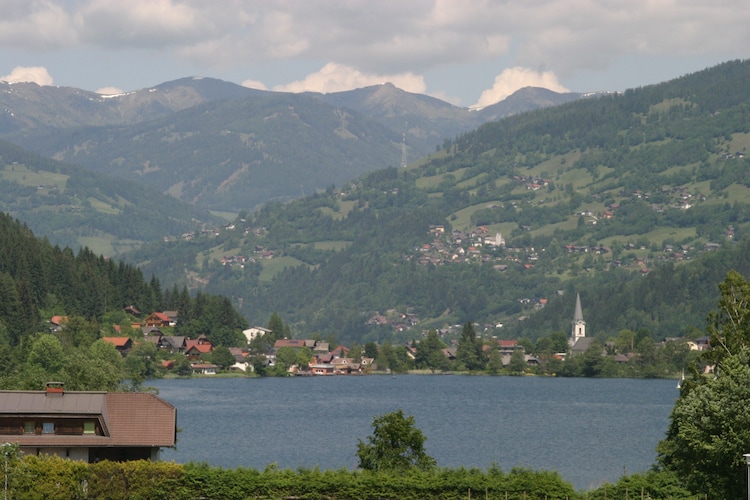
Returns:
point(589, 430)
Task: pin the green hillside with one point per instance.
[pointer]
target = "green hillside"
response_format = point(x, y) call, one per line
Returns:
point(78, 208)
point(233, 155)
point(600, 196)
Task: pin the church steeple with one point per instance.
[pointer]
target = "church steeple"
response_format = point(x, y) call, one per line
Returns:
point(579, 325)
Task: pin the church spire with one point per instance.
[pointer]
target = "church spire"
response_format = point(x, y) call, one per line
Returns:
point(578, 315)
point(579, 325)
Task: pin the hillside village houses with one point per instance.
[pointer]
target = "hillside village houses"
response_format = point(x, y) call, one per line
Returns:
point(482, 245)
point(326, 361)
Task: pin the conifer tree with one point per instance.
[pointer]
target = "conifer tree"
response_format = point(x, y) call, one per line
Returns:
point(469, 351)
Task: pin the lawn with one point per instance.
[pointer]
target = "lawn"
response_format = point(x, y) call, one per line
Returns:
point(272, 267)
point(24, 176)
point(332, 245)
point(103, 207)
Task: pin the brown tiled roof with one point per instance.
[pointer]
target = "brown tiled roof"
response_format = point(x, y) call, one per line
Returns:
point(202, 348)
point(289, 343)
point(58, 320)
point(127, 418)
point(161, 316)
point(117, 341)
point(140, 419)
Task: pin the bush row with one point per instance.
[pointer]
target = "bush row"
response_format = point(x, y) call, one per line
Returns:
point(50, 478)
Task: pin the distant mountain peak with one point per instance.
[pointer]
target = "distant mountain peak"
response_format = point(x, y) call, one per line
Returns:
point(525, 99)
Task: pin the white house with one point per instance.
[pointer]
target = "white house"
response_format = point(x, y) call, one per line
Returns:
point(255, 332)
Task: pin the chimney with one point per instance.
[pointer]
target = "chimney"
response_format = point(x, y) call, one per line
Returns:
point(55, 389)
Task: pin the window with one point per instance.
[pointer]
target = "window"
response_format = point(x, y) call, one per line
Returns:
point(48, 427)
point(89, 428)
point(29, 427)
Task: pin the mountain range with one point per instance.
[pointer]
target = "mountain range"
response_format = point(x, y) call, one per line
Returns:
point(640, 201)
point(225, 147)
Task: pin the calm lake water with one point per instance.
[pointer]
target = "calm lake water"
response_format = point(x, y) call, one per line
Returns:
point(589, 430)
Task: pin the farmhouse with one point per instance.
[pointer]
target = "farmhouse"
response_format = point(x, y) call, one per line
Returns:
point(87, 425)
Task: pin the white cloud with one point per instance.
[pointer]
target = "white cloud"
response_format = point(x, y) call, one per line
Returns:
point(141, 23)
point(572, 38)
point(35, 25)
point(513, 79)
point(110, 91)
point(254, 84)
point(34, 74)
point(338, 77)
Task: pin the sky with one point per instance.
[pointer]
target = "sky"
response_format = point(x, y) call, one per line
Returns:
point(471, 53)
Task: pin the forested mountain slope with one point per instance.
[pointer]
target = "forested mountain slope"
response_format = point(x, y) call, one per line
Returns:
point(222, 146)
point(38, 279)
point(89, 294)
point(426, 121)
point(74, 207)
point(600, 196)
point(234, 154)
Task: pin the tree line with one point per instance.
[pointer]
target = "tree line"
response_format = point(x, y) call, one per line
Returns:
point(38, 281)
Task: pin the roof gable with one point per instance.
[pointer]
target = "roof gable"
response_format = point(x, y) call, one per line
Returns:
point(289, 343)
point(118, 341)
point(127, 418)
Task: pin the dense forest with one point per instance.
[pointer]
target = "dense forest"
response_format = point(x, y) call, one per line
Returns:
point(38, 281)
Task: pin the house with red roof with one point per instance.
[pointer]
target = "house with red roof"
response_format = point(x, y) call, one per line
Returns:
point(195, 348)
point(122, 344)
point(158, 319)
point(57, 323)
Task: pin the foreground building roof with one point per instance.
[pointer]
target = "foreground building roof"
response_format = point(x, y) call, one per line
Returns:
point(54, 418)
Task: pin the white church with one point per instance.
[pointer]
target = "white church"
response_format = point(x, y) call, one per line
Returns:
point(578, 342)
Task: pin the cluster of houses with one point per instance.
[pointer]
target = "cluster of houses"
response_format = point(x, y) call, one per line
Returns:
point(399, 321)
point(338, 362)
point(459, 246)
point(531, 183)
point(156, 327)
point(680, 196)
point(737, 155)
point(323, 361)
point(479, 245)
point(153, 328)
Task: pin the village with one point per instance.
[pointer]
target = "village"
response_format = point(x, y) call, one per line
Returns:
point(314, 357)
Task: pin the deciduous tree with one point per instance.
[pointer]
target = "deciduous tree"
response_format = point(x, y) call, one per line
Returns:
point(429, 353)
point(709, 427)
point(47, 353)
point(395, 445)
point(710, 431)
